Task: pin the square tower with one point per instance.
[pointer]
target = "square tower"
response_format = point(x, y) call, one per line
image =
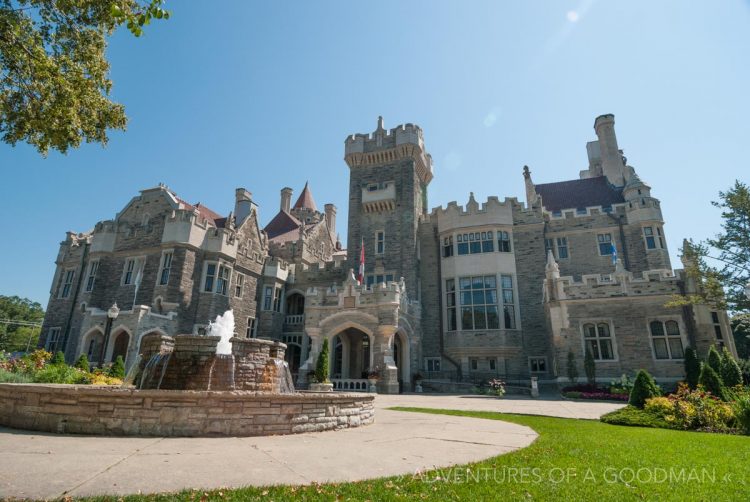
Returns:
point(389, 174)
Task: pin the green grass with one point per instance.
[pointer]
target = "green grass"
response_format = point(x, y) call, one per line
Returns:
point(575, 459)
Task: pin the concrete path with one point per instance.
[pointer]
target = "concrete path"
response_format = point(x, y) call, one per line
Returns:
point(36, 465)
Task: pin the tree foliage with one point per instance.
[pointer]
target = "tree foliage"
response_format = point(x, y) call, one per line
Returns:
point(711, 381)
point(713, 359)
point(54, 85)
point(589, 366)
point(644, 388)
point(17, 337)
point(692, 367)
point(321, 368)
point(572, 367)
point(731, 374)
point(117, 370)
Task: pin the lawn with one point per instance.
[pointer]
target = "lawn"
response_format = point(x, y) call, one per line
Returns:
point(571, 460)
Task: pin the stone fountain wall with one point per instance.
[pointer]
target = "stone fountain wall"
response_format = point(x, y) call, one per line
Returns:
point(192, 364)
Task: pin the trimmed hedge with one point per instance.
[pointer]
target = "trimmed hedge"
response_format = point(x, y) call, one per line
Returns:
point(644, 388)
point(711, 382)
point(692, 367)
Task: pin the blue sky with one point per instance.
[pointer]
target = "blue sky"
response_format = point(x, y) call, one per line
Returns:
point(262, 95)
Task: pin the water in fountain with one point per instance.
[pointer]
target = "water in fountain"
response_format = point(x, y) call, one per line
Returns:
point(223, 326)
point(150, 367)
point(286, 382)
point(132, 372)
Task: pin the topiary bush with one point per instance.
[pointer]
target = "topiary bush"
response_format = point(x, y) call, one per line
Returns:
point(713, 359)
point(731, 374)
point(83, 363)
point(589, 366)
point(711, 382)
point(321, 367)
point(117, 370)
point(572, 368)
point(692, 367)
point(644, 388)
point(58, 358)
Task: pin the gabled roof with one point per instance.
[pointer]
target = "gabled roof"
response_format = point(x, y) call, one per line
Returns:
point(205, 212)
point(282, 225)
point(305, 199)
point(579, 194)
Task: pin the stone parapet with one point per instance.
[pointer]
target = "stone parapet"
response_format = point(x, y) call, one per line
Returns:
point(76, 409)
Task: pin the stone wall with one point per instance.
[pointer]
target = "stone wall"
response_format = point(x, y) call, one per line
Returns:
point(75, 409)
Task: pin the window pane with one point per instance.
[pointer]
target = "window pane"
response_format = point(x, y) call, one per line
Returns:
point(478, 297)
point(507, 296)
point(562, 252)
point(657, 328)
point(507, 282)
point(476, 247)
point(489, 281)
point(490, 296)
point(463, 248)
point(593, 347)
point(452, 319)
point(510, 317)
point(488, 246)
point(673, 328)
point(466, 298)
point(493, 319)
point(675, 347)
point(606, 349)
point(480, 319)
point(603, 330)
point(660, 348)
point(466, 318)
point(465, 283)
point(477, 282)
point(589, 330)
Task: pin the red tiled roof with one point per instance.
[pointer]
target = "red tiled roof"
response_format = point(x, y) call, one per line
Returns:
point(205, 212)
point(579, 194)
point(305, 199)
point(281, 225)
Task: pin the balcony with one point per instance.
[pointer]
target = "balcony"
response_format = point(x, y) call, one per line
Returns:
point(377, 198)
point(296, 320)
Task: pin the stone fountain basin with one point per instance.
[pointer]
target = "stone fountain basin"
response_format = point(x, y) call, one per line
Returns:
point(116, 411)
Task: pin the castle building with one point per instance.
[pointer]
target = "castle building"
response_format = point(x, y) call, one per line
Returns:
point(455, 295)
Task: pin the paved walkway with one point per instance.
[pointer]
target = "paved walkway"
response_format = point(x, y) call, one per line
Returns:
point(37, 465)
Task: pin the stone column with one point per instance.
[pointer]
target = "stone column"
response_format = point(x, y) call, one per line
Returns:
point(383, 359)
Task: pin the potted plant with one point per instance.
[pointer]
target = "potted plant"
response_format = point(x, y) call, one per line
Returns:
point(322, 384)
point(418, 382)
point(372, 377)
point(496, 387)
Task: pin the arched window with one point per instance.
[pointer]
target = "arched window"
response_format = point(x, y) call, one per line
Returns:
point(666, 340)
point(598, 339)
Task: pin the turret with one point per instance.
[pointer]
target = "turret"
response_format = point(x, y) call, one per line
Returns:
point(243, 203)
point(612, 164)
point(286, 199)
point(331, 218)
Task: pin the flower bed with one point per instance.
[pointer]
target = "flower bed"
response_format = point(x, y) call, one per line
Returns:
point(41, 366)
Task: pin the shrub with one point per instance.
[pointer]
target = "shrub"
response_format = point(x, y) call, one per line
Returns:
point(572, 367)
point(714, 360)
point(741, 408)
point(9, 377)
point(58, 373)
point(321, 368)
point(661, 407)
point(643, 389)
point(698, 410)
point(731, 374)
point(117, 370)
point(622, 386)
point(496, 387)
point(589, 366)
point(692, 367)
point(59, 358)
point(99, 378)
point(632, 416)
point(83, 363)
point(710, 381)
point(744, 365)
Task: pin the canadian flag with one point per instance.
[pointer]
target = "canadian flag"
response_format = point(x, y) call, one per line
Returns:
point(361, 272)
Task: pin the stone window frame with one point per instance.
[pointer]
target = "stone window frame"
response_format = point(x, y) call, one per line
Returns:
point(596, 321)
point(380, 242)
point(216, 277)
point(91, 271)
point(447, 246)
point(477, 241)
point(485, 305)
point(537, 359)
point(66, 283)
point(251, 331)
point(239, 282)
point(433, 360)
point(165, 267)
point(139, 263)
point(656, 235)
point(683, 337)
point(599, 243)
point(553, 244)
point(50, 341)
point(504, 245)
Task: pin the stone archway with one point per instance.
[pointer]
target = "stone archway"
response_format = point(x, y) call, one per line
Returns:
point(91, 345)
point(120, 346)
point(351, 354)
point(402, 359)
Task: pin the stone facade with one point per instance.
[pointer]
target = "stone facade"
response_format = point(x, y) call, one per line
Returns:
point(496, 288)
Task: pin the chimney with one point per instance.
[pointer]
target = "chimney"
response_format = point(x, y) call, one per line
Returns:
point(243, 201)
point(331, 217)
point(286, 199)
point(611, 158)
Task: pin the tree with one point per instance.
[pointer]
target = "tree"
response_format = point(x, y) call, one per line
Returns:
point(692, 367)
point(321, 368)
point(21, 329)
point(731, 374)
point(83, 363)
point(54, 85)
point(711, 382)
point(117, 370)
point(589, 366)
point(741, 331)
point(644, 388)
point(572, 367)
point(714, 359)
point(58, 358)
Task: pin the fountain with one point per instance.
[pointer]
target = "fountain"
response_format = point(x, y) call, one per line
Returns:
point(189, 385)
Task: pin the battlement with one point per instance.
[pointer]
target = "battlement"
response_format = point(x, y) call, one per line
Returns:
point(588, 212)
point(351, 295)
point(618, 284)
point(472, 207)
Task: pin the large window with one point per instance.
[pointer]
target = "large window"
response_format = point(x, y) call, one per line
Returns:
point(277, 300)
point(479, 303)
point(605, 244)
point(648, 233)
point(503, 241)
point(67, 284)
point(166, 266)
point(379, 242)
point(250, 332)
point(222, 280)
point(448, 246)
point(93, 269)
point(598, 340)
point(509, 304)
point(53, 337)
point(666, 339)
point(239, 284)
point(476, 242)
point(450, 303)
point(208, 285)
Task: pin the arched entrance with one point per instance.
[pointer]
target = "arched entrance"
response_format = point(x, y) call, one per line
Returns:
point(351, 354)
point(293, 356)
point(120, 346)
point(92, 345)
point(401, 358)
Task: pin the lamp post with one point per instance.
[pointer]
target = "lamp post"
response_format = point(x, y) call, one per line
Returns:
point(112, 314)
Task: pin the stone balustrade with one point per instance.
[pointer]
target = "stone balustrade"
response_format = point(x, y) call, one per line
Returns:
point(353, 384)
